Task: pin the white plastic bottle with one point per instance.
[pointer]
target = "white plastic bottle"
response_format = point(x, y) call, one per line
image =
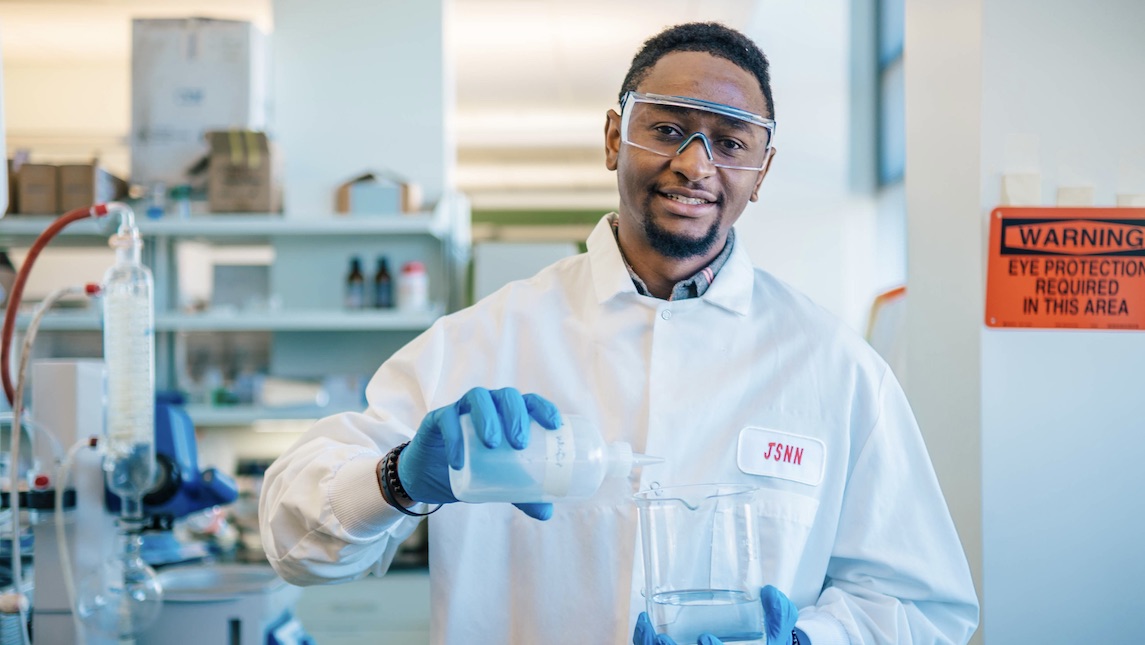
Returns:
point(413, 287)
point(570, 462)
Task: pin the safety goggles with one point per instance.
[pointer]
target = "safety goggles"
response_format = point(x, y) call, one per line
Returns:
point(666, 125)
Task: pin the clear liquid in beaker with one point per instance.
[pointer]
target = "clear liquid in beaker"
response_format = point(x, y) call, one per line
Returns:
point(731, 616)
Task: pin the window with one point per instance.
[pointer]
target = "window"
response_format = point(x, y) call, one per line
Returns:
point(891, 147)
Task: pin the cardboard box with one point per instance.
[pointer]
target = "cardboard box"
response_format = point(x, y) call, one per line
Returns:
point(189, 76)
point(18, 158)
point(37, 187)
point(86, 184)
point(241, 173)
point(10, 187)
point(376, 193)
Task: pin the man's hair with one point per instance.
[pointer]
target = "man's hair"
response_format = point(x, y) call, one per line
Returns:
point(710, 38)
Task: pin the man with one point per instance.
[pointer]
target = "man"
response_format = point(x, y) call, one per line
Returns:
point(666, 337)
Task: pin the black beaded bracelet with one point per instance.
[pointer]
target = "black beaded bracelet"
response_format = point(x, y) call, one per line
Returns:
point(794, 637)
point(391, 485)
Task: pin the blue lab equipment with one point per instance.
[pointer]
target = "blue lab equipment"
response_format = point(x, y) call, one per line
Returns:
point(181, 488)
point(184, 489)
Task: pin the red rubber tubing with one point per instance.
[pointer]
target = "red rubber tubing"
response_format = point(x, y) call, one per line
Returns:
point(42, 240)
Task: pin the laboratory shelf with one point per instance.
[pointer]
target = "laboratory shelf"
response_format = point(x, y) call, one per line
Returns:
point(299, 320)
point(249, 228)
point(282, 320)
point(296, 309)
point(241, 415)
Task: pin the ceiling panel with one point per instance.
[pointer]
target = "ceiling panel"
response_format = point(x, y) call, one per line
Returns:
point(555, 53)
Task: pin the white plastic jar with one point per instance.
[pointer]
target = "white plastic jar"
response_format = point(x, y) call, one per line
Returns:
point(413, 287)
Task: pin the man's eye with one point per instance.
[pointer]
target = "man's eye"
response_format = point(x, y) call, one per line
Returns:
point(667, 130)
point(731, 145)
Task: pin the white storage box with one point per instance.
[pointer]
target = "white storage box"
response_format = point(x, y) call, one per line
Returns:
point(190, 75)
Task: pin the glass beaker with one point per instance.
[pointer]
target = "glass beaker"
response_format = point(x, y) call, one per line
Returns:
point(702, 561)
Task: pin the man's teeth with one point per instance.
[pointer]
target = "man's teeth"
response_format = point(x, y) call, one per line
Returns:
point(686, 200)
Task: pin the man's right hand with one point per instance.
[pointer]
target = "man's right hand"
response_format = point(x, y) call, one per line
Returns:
point(498, 415)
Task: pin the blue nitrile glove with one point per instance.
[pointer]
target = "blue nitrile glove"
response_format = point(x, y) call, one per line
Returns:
point(779, 614)
point(423, 467)
point(645, 634)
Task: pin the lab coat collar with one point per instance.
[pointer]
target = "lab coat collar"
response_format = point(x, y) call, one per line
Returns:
point(733, 285)
point(731, 289)
point(609, 274)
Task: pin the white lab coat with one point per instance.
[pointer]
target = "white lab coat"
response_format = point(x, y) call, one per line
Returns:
point(869, 552)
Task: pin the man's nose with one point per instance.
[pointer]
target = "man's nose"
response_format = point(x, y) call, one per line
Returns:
point(693, 158)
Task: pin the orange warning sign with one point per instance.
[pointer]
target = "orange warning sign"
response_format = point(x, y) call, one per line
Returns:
point(1080, 268)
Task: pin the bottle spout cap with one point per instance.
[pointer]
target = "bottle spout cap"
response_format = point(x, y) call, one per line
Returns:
point(640, 459)
point(621, 459)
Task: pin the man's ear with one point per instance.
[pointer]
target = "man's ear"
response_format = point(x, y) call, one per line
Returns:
point(762, 174)
point(611, 139)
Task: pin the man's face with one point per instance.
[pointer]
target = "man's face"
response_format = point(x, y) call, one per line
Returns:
point(683, 206)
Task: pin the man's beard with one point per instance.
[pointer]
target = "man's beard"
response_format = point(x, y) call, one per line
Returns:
point(680, 247)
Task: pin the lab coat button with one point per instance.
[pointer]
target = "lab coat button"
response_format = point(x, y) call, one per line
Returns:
point(666, 314)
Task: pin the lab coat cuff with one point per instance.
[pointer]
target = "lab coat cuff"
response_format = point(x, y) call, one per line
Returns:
point(822, 628)
point(356, 500)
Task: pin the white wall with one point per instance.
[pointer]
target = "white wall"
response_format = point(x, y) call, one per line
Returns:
point(361, 85)
point(944, 257)
point(1063, 412)
point(1036, 434)
point(809, 227)
point(69, 110)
